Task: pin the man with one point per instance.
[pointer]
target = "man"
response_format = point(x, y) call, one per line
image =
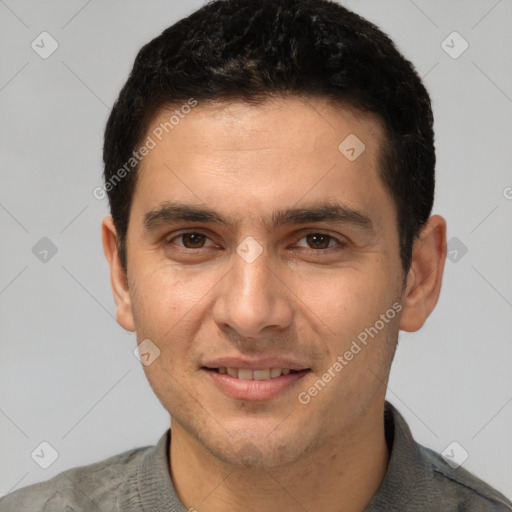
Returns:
point(270, 172)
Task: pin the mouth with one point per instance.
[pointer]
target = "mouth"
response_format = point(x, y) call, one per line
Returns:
point(257, 374)
point(254, 383)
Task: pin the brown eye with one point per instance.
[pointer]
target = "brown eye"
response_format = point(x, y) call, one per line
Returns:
point(190, 240)
point(319, 241)
point(194, 239)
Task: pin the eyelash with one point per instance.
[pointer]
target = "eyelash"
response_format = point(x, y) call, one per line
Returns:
point(340, 243)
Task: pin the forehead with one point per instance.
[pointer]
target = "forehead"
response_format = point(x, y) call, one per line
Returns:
point(283, 152)
point(310, 123)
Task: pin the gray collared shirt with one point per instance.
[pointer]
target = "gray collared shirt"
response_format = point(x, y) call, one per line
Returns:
point(417, 480)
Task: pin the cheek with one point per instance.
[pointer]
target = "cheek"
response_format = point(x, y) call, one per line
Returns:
point(342, 302)
point(160, 298)
point(170, 306)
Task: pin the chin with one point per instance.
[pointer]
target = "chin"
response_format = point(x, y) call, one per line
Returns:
point(248, 450)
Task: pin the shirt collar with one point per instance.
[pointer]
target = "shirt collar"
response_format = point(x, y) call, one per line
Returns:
point(409, 475)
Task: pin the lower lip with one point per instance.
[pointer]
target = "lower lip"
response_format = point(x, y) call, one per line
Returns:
point(254, 389)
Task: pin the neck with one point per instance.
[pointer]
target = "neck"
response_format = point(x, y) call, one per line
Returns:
point(344, 474)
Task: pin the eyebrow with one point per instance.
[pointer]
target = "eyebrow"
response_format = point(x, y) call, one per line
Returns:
point(170, 212)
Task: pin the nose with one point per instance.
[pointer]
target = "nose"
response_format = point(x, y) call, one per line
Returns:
point(253, 299)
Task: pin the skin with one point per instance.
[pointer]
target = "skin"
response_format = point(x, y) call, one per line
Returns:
point(247, 162)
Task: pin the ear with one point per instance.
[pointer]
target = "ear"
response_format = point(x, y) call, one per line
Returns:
point(118, 277)
point(425, 275)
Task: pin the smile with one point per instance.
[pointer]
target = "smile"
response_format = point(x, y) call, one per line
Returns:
point(247, 374)
point(254, 383)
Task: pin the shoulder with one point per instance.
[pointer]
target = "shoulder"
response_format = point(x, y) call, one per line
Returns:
point(419, 479)
point(78, 488)
point(458, 485)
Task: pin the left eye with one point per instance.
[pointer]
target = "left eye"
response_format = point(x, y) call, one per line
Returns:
point(321, 240)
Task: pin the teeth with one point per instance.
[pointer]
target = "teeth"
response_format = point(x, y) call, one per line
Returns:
point(261, 374)
point(246, 374)
point(232, 372)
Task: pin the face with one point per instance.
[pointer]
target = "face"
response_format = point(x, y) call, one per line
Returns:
point(293, 265)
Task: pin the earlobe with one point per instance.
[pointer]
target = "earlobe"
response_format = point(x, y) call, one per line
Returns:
point(118, 277)
point(425, 275)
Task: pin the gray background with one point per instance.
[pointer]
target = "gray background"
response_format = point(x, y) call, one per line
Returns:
point(68, 375)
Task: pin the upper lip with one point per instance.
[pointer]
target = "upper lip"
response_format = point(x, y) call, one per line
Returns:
point(255, 364)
